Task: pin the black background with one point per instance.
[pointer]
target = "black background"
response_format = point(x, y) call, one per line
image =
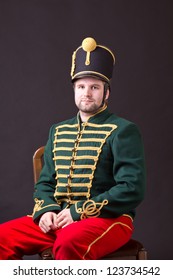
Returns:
point(37, 39)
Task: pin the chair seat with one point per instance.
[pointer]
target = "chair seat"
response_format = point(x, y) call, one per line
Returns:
point(132, 250)
point(46, 254)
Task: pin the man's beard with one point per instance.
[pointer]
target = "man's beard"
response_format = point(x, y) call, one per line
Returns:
point(88, 108)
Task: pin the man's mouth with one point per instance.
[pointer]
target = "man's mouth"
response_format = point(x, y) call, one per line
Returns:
point(87, 100)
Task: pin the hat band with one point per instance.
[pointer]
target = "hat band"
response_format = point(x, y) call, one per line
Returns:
point(91, 72)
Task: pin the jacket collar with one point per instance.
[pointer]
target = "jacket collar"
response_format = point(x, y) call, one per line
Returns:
point(98, 117)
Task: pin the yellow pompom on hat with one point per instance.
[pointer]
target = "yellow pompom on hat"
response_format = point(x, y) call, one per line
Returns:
point(91, 59)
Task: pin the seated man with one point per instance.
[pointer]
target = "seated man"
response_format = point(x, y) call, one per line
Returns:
point(93, 176)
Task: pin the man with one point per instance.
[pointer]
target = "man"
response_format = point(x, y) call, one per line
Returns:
point(93, 176)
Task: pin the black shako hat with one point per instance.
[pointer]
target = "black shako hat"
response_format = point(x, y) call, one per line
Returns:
point(92, 60)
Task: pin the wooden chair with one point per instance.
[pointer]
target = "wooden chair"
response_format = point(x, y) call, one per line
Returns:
point(132, 250)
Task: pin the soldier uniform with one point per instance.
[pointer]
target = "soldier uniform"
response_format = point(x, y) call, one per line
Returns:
point(95, 168)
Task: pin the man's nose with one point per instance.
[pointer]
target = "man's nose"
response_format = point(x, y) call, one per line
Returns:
point(87, 91)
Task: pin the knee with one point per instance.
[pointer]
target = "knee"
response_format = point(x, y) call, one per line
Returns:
point(6, 245)
point(4, 234)
point(65, 247)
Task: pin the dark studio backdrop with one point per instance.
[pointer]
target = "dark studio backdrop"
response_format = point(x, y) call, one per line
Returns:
point(37, 39)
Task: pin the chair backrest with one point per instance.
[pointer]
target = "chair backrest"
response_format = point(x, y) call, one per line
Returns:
point(38, 163)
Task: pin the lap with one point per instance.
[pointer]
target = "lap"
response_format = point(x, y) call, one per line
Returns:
point(97, 226)
point(96, 236)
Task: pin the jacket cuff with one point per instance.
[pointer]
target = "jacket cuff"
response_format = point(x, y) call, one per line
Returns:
point(38, 213)
point(74, 214)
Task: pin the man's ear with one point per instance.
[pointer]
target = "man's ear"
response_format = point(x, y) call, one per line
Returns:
point(107, 94)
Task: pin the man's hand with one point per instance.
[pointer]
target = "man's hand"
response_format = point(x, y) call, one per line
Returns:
point(64, 218)
point(52, 221)
point(48, 222)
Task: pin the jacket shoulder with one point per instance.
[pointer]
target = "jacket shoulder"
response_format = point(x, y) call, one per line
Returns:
point(119, 121)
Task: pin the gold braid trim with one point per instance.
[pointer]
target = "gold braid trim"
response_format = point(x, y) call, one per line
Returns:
point(104, 233)
point(38, 205)
point(79, 161)
point(91, 208)
point(74, 185)
point(73, 63)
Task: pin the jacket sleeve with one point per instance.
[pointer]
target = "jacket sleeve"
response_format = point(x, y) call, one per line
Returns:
point(45, 187)
point(128, 169)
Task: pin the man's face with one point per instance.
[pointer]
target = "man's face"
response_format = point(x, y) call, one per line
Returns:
point(89, 94)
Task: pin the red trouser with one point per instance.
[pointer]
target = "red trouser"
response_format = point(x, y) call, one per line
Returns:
point(87, 239)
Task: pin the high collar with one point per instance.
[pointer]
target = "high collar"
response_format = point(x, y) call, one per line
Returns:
point(98, 117)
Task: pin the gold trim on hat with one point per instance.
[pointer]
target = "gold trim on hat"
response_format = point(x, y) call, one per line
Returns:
point(89, 73)
point(73, 63)
point(103, 47)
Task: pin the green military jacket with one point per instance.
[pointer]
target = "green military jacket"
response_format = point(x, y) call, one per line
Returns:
point(95, 168)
